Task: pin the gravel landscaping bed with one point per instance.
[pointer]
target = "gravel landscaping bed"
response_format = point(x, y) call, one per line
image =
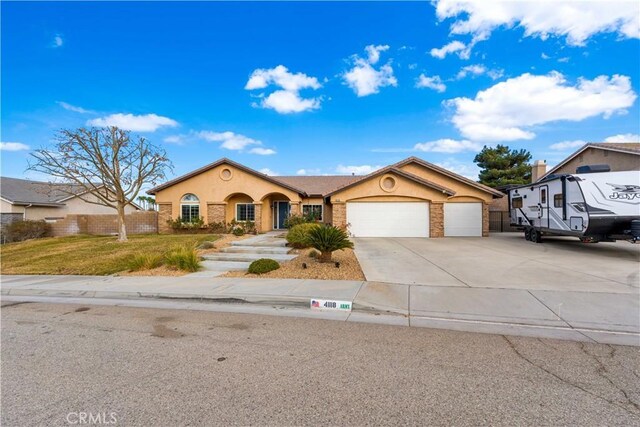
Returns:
point(349, 268)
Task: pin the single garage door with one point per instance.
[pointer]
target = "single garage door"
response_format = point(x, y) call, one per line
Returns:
point(463, 219)
point(388, 219)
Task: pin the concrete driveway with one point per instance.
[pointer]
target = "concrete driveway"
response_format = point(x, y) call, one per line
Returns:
point(504, 260)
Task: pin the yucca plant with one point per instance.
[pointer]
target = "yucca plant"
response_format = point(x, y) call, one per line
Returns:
point(327, 239)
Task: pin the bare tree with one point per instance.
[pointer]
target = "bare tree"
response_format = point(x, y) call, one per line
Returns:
point(106, 163)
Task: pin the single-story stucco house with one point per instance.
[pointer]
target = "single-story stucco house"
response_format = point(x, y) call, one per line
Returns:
point(22, 199)
point(411, 198)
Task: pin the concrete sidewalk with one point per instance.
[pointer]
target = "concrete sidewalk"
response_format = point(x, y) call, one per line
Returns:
point(612, 318)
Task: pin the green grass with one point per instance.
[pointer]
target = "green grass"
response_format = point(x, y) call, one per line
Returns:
point(89, 255)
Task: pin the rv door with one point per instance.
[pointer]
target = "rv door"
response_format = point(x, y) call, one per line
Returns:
point(543, 213)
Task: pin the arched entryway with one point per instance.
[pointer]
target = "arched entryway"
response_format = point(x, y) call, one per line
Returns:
point(240, 207)
point(276, 207)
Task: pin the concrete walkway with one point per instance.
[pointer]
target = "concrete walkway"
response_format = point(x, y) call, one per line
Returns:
point(612, 318)
point(241, 253)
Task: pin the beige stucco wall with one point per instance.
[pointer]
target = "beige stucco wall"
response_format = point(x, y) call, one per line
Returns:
point(591, 156)
point(243, 187)
point(74, 206)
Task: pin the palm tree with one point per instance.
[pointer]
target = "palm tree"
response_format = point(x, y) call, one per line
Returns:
point(327, 239)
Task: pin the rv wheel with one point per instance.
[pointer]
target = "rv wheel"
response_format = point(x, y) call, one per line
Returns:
point(536, 236)
point(527, 234)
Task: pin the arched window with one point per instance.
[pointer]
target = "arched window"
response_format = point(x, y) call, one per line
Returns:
point(190, 208)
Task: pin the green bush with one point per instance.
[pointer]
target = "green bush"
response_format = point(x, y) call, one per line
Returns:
point(313, 253)
point(263, 265)
point(240, 228)
point(327, 239)
point(297, 219)
point(183, 258)
point(218, 227)
point(145, 262)
point(19, 231)
point(181, 224)
point(297, 236)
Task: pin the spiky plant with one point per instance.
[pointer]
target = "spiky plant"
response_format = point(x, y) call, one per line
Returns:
point(327, 239)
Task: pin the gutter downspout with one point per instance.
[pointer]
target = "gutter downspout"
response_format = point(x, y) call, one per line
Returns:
point(24, 214)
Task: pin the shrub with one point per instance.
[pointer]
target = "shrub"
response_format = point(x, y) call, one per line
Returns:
point(327, 239)
point(183, 258)
point(206, 245)
point(240, 228)
point(313, 253)
point(181, 224)
point(145, 262)
point(297, 235)
point(297, 219)
point(263, 265)
point(18, 231)
point(218, 227)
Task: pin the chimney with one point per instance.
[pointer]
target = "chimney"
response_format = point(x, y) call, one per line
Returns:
point(538, 169)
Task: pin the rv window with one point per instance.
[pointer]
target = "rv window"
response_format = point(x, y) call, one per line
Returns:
point(543, 196)
point(557, 200)
point(516, 202)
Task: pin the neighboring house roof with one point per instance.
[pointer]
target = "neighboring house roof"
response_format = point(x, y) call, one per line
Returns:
point(327, 185)
point(23, 192)
point(26, 192)
point(620, 147)
point(319, 185)
point(222, 161)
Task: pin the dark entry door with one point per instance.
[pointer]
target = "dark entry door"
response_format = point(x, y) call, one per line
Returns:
point(283, 213)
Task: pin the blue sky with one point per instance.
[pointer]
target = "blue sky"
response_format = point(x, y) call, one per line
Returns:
point(322, 88)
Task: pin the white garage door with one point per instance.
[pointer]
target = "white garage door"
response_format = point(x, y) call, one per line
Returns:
point(463, 219)
point(388, 219)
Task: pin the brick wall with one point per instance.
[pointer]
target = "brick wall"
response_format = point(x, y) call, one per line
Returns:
point(436, 220)
point(339, 215)
point(164, 214)
point(142, 222)
point(216, 212)
point(258, 216)
point(485, 220)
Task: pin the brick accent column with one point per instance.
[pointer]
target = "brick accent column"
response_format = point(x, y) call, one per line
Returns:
point(295, 208)
point(216, 212)
point(258, 216)
point(164, 214)
point(436, 219)
point(340, 215)
point(485, 220)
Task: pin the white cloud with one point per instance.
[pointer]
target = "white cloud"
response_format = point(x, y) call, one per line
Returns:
point(374, 52)
point(575, 20)
point(467, 169)
point(268, 171)
point(235, 142)
point(13, 146)
point(285, 102)
point(507, 110)
point(74, 108)
point(357, 170)
point(261, 151)
point(57, 41)
point(625, 137)
point(287, 99)
point(462, 50)
point(478, 70)
point(141, 123)
point(364, 79)
point(447, 145)
point(544, 56)
point(308, 172)
point(567, 145)
point(433, 82)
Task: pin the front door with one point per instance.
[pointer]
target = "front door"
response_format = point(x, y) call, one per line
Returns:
point(282, 213)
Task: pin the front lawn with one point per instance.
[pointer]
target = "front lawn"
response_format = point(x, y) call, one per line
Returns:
point(88, 255)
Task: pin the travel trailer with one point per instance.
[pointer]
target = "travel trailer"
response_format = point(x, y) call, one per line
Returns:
point(593, 204)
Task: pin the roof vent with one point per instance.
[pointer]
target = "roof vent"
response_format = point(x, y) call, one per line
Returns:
point(593, 169)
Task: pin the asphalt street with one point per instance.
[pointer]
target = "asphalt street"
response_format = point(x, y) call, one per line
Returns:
point(139, 366)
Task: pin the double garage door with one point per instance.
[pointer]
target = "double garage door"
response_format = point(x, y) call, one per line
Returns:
point(411, 219)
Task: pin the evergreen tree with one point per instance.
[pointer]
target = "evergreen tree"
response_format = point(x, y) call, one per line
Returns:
point(502, 166)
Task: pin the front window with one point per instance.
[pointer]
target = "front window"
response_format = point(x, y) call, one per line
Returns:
point(190, 208)
point(557, 200)
point(245, 212)
point(313, 210)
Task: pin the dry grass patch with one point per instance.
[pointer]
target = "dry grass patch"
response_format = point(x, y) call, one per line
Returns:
point(349, 268)
point(89, 255)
